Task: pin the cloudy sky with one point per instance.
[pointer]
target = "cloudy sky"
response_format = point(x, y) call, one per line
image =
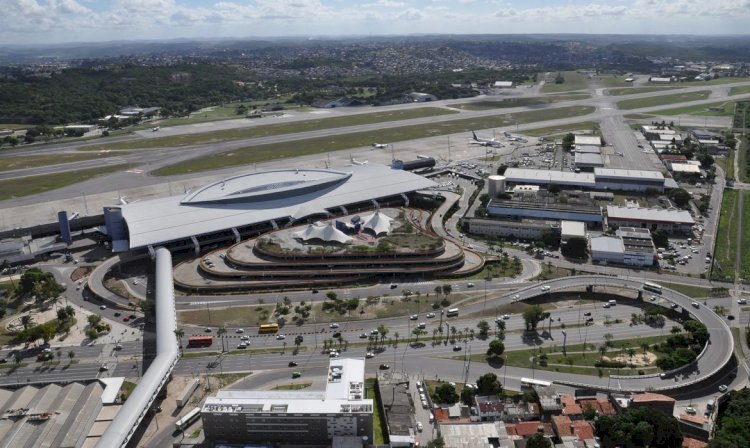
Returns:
point(56, 21)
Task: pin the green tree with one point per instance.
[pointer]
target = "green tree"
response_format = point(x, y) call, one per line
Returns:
point(383, 332)
point(436, 443)
point(488, 384)
point(447, 289)
point(26, 321)
point(637, 427)
point(445, 393)
point(418, 332)
point(71, 355)
point(568, 141)
point(680, 197)
point(467, 396)
point(331, 295)
point(533, 315)
point(576, 247)
point(660, 237)
point(538, 441)
point(484, 329)
point(496, 348)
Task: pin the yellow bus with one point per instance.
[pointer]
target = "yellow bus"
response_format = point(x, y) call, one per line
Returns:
point(268, 328)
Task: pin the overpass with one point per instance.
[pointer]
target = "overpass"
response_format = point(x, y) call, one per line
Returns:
point(715, 355)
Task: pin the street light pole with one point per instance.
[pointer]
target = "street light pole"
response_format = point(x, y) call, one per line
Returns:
point(565, 339)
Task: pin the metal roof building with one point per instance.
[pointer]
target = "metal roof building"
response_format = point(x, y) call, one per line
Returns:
point(670, 220)
point(588, 140)
point(544, 177)
point(600, 179)
point(248, 199)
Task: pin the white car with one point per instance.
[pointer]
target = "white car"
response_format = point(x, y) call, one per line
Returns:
point(742, 301)
point(369, 355)
point(430, 315)
point(334, 354)
point(280, 337)
point(419, 426)
point(414, 317)
point(239, 331)
point(102, 307)
point(690, 410)
point(505, 317)
point(245, 338)
point(334, 325)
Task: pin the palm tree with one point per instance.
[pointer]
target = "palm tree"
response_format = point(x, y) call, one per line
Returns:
point(58, 353)
point(602, 350)
point(396, 335)
point(438, 290)
point(382, 331)
point(71, 355)
point(631, 353)
point(70, 311)
point(26, 321)
point(55, 300)
point(221, 332)
point(179, 333)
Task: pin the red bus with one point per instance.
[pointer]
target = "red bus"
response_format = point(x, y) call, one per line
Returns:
point(200, 341)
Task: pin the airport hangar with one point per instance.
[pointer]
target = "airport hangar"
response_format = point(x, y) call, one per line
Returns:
point(252, 203)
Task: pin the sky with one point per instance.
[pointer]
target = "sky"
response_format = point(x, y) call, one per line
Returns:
point(59, 21)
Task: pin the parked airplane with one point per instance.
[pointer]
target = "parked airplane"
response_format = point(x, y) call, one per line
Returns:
point(485, 141)
point(380, 145)
point(356, 162)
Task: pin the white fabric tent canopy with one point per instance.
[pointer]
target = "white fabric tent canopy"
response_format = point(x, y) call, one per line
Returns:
point(324, 232)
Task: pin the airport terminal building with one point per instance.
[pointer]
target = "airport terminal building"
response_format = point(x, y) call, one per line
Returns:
point(252, 203)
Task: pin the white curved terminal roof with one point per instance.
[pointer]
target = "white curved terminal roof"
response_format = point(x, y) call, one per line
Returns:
point(260, 197)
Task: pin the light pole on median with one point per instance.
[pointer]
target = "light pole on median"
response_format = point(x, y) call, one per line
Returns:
point(565, 339)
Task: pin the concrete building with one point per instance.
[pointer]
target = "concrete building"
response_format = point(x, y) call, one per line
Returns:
point(593, 140)
point(496, 408)
point(631, 247)
point(588, 161)
point(503, 84)
point(294, 417)
point(50, 416)
point(646, 399)
point(671, 220)
point(475, 435)
point(528, 229)
point(420, 97)
point(609, 179)
point(572, 229)
point(398, 407)
point(547, 208)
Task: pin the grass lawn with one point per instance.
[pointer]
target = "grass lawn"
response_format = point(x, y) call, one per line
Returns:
point(320, 145)
point(745, 244)
point(743, 145)
point(518, 102)
point(14, 126)
point(292, 386)
point(702, 110)
point(612, 81)
point(696, 292)
point(127, 389)
point(577, 361)
point(378, 419)
point(635, 90)
point(739, 90)
point(278, 129)
point(493, 271)
point(227, 379)
point(714, 82)
point(237, 316)
point(725, 247)
point(25, 186)
point(637, 117)
point(550, 272)
point(663, 99)
point(726, 164)
point(564, 129)
point(573, 81)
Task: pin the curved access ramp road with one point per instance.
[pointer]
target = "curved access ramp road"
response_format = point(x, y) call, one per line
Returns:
point(711, 360)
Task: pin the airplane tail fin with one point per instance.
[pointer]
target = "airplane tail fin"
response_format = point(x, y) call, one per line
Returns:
point(475, 135)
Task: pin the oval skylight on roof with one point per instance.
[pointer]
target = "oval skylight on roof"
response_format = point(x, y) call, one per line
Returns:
point(266, 186)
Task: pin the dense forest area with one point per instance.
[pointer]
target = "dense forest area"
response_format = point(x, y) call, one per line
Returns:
point(733, 426)
point(83, 95)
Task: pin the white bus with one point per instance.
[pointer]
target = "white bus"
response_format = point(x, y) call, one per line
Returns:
point(528, 382)
point(188, 419)
point(452, 312)
point(653, 287)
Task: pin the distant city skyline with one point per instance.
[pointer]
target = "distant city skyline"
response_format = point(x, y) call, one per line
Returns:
point(60, 21)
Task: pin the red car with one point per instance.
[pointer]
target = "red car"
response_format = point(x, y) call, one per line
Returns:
point(125, 319)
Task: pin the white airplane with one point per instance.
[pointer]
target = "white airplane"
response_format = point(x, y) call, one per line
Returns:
point(357, 162)
point(485, 141)
point(380, 145)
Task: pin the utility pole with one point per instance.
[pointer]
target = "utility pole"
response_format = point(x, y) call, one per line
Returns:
point(565, 339)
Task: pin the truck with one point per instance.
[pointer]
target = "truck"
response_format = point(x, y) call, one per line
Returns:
point(186, 393)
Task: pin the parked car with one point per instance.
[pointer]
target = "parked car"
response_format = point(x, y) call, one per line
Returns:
point(384, 367)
